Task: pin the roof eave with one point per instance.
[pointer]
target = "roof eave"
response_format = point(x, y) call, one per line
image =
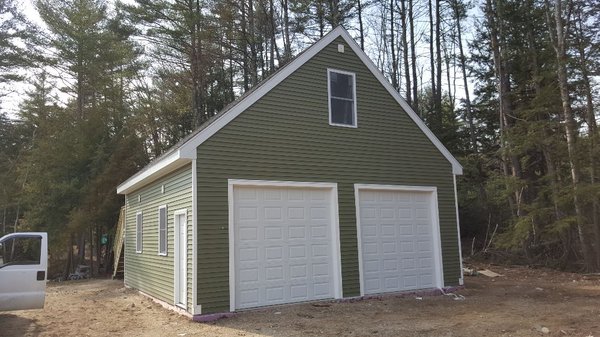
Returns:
point(157, 170)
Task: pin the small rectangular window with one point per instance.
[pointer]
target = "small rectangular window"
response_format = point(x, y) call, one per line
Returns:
point(342, 98)
point(162, 230)
point(139, 228)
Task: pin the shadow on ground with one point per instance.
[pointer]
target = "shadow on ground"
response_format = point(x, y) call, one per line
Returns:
point(17, 326)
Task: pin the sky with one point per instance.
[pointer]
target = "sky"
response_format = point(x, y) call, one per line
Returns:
point(10, 103)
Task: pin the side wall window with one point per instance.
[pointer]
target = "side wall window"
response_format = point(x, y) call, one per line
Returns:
point(342, 98)
point(162, 230)
point(139, 231)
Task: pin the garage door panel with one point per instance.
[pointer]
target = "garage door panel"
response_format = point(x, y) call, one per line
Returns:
point(397, 244)
point(282, 236)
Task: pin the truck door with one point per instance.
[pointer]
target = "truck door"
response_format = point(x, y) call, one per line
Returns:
point(23, 269)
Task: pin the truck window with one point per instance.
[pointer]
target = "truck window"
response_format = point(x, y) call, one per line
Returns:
point(20, 251)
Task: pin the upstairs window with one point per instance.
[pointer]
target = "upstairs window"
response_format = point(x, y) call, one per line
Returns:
point(342, 98)
point(162, 230)
point(138, 232)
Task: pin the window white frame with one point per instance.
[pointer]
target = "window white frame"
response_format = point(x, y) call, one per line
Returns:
point(163, 230)
point(139, 231)
point(354, 116)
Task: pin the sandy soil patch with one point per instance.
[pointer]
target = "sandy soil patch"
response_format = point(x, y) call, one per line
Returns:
point(523, 302)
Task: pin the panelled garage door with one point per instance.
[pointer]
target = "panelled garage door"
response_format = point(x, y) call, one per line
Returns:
point(397, 241)
point(282, 245)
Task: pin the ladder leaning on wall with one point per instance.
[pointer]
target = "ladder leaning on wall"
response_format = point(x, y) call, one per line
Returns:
point(118, 245)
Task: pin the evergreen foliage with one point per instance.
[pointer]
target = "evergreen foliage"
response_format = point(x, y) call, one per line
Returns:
point(113, 85)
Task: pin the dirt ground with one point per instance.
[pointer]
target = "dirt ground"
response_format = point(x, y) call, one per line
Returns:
point(523, 302)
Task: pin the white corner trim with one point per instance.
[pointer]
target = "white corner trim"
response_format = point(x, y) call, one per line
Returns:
point(361, 280)
point(437, 239)
point(165, 165)
point(336, 246)
point(231, 234)
point(336, 257)
point(196, 308)
point(461, 281)
point(437, 242)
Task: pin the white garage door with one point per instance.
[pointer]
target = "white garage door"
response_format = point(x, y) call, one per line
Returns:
point(397, 241)
point(283, 250)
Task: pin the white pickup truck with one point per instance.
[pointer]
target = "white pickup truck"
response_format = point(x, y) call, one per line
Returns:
point(23, 270)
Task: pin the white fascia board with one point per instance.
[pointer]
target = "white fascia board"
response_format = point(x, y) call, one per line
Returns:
point(188, 149)
point(165, 165)
point(456, 167)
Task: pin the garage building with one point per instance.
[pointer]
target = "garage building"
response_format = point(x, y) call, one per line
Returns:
point(319, 183)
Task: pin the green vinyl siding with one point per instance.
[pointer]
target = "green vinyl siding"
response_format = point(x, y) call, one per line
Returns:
point(286, 136)
point(149, 272)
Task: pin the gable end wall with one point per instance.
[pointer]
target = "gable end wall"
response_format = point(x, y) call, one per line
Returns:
point(286, 136)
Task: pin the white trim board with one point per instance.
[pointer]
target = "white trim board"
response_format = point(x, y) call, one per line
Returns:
point(461, 280)
point(437, 243)
point(335, 228)
point(176, 249)
point(196, 308)
point(187, 151)
point(154, 171)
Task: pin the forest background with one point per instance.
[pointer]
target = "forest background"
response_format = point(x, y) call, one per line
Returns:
point(509, 86)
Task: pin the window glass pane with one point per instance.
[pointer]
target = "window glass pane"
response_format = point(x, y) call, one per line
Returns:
point(341, 85)
point(20, 251)
point(342, 111)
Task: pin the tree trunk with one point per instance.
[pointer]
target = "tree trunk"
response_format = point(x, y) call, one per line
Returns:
point(321, 18)
point(334, 12)
point(463, 68)
point(360, 25)
point(505, 104)
point(448, 76)
point(413, 55)
point(438, 71)
point(287, 47)
point(405, 51)
point(195, 65)
point(432, 54)
point(244, 47)
point(592, 132)
point(393, 48)
point(273, 45)
point(92, 246)
point(69, 265)
point(252, 43)
point(559, 35)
